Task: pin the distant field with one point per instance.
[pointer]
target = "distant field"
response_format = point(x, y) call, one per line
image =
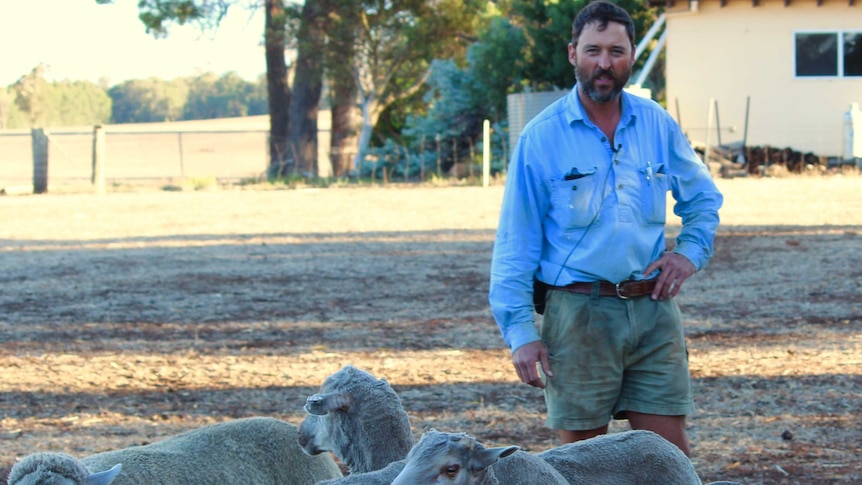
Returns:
point(229, 148)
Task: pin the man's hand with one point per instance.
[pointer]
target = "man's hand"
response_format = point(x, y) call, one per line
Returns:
point(675, 268)
point(525, 359)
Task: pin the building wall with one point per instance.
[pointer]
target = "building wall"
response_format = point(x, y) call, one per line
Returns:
point(742, 51)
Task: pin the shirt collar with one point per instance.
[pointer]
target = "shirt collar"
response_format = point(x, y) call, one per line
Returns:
point(575, 110)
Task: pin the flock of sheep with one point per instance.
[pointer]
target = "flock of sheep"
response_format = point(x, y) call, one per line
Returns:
point(360, 420)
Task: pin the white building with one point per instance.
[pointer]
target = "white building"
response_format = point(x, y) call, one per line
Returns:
point(797, 64)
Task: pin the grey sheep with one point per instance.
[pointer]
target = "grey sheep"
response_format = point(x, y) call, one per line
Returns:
point(359, 419)
point(383, 476)
point(458, 459)
point(251, 450)
point(629, 457)
point(57, 469)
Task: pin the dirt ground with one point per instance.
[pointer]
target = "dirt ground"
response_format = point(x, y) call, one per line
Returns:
point(128, 317)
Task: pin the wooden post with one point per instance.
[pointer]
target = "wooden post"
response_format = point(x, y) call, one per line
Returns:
point(40, 160)
point(97, 178)
point(486, 153)
point(439, 169)
point(182, 162)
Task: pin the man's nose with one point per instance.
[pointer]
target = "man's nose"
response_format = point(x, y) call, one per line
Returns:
point(604, 61)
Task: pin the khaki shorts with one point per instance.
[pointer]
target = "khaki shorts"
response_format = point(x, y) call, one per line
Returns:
point(610, 356)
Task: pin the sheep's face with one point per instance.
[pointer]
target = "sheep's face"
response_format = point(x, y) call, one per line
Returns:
point(310, 436)
point(449, 458)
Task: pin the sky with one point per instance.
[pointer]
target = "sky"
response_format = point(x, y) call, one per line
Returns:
point(80, 40)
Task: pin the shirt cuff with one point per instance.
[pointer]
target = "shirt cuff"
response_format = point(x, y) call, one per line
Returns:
point(521, 334)
point(692, 252)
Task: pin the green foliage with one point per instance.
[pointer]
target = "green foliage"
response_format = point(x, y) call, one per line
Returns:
point(148, 100)
point(32, 101)
point(224, 97)
point(449, 132)
point(157, 15)
point(10, 115)
point(497, 63)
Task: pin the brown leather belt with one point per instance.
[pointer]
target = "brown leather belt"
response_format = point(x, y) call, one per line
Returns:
point(625, 290)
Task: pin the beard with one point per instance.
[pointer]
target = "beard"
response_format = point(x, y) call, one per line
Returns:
point(588, 83)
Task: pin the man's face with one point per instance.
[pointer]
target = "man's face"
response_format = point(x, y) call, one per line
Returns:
point(603, 61)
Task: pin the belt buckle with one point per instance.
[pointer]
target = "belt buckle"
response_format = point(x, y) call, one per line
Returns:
point(618, 287)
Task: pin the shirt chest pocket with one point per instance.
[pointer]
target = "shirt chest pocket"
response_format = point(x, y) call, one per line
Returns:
point(575, 199)
point(654, 196)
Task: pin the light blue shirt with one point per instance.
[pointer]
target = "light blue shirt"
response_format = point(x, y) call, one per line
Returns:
point(576, 209)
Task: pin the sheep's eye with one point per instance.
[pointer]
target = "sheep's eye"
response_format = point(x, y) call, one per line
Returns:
point(452, 470)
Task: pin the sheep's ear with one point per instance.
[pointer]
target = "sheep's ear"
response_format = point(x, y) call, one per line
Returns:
point(483, 458)
point(322, 404)
point(105, 477)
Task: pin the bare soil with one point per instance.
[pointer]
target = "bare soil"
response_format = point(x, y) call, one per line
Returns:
point(128, 317)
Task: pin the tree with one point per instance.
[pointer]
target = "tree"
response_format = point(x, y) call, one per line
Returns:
point(78, 103)
point(393, 43)
point(497, 62)
point(30, 93)
point(277, 87)
point(220, 97)
point(148, 100)
point(396, 42)
point(340, 54)
point(308, 80)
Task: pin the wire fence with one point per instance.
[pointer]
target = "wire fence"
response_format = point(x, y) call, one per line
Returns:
point(131, 155)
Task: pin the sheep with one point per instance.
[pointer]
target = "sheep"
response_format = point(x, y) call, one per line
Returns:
point(256, 450)
point(57, 469)
point(338, 421)
point(359, 419)
point(383, 476)
point(458, 459)
point(628, 457)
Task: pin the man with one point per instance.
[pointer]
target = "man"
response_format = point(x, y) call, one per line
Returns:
point(584, 213)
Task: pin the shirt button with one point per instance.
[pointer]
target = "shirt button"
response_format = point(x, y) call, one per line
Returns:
point(604, 138)
point(620, 186)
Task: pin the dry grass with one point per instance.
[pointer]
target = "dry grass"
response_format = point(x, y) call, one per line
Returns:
point(131, 316)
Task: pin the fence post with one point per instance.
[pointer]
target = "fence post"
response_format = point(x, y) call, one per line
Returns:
point(486, 153)
point(40, 160)
point(97, 178)
point(182, 162)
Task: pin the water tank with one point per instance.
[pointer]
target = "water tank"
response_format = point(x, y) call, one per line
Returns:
point(522, 107)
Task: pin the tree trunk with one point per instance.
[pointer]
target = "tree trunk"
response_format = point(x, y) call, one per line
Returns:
point(279, 92)
point(345, 139)
point(369, 117)
point(339, 64)
point(307, 87)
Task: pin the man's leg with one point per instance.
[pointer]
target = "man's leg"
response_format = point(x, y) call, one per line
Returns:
point(570, 436)
point(671, 428)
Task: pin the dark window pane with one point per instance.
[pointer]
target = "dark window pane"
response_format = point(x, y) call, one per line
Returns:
point(816, 54)
point(853, 54)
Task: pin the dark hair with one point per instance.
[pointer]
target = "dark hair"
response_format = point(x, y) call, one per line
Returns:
point(602, 12)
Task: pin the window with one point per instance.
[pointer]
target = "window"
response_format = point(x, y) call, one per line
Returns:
point(828, 54)
point(853, 54)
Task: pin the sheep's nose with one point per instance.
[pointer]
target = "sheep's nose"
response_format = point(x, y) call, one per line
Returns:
point(314, 405)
